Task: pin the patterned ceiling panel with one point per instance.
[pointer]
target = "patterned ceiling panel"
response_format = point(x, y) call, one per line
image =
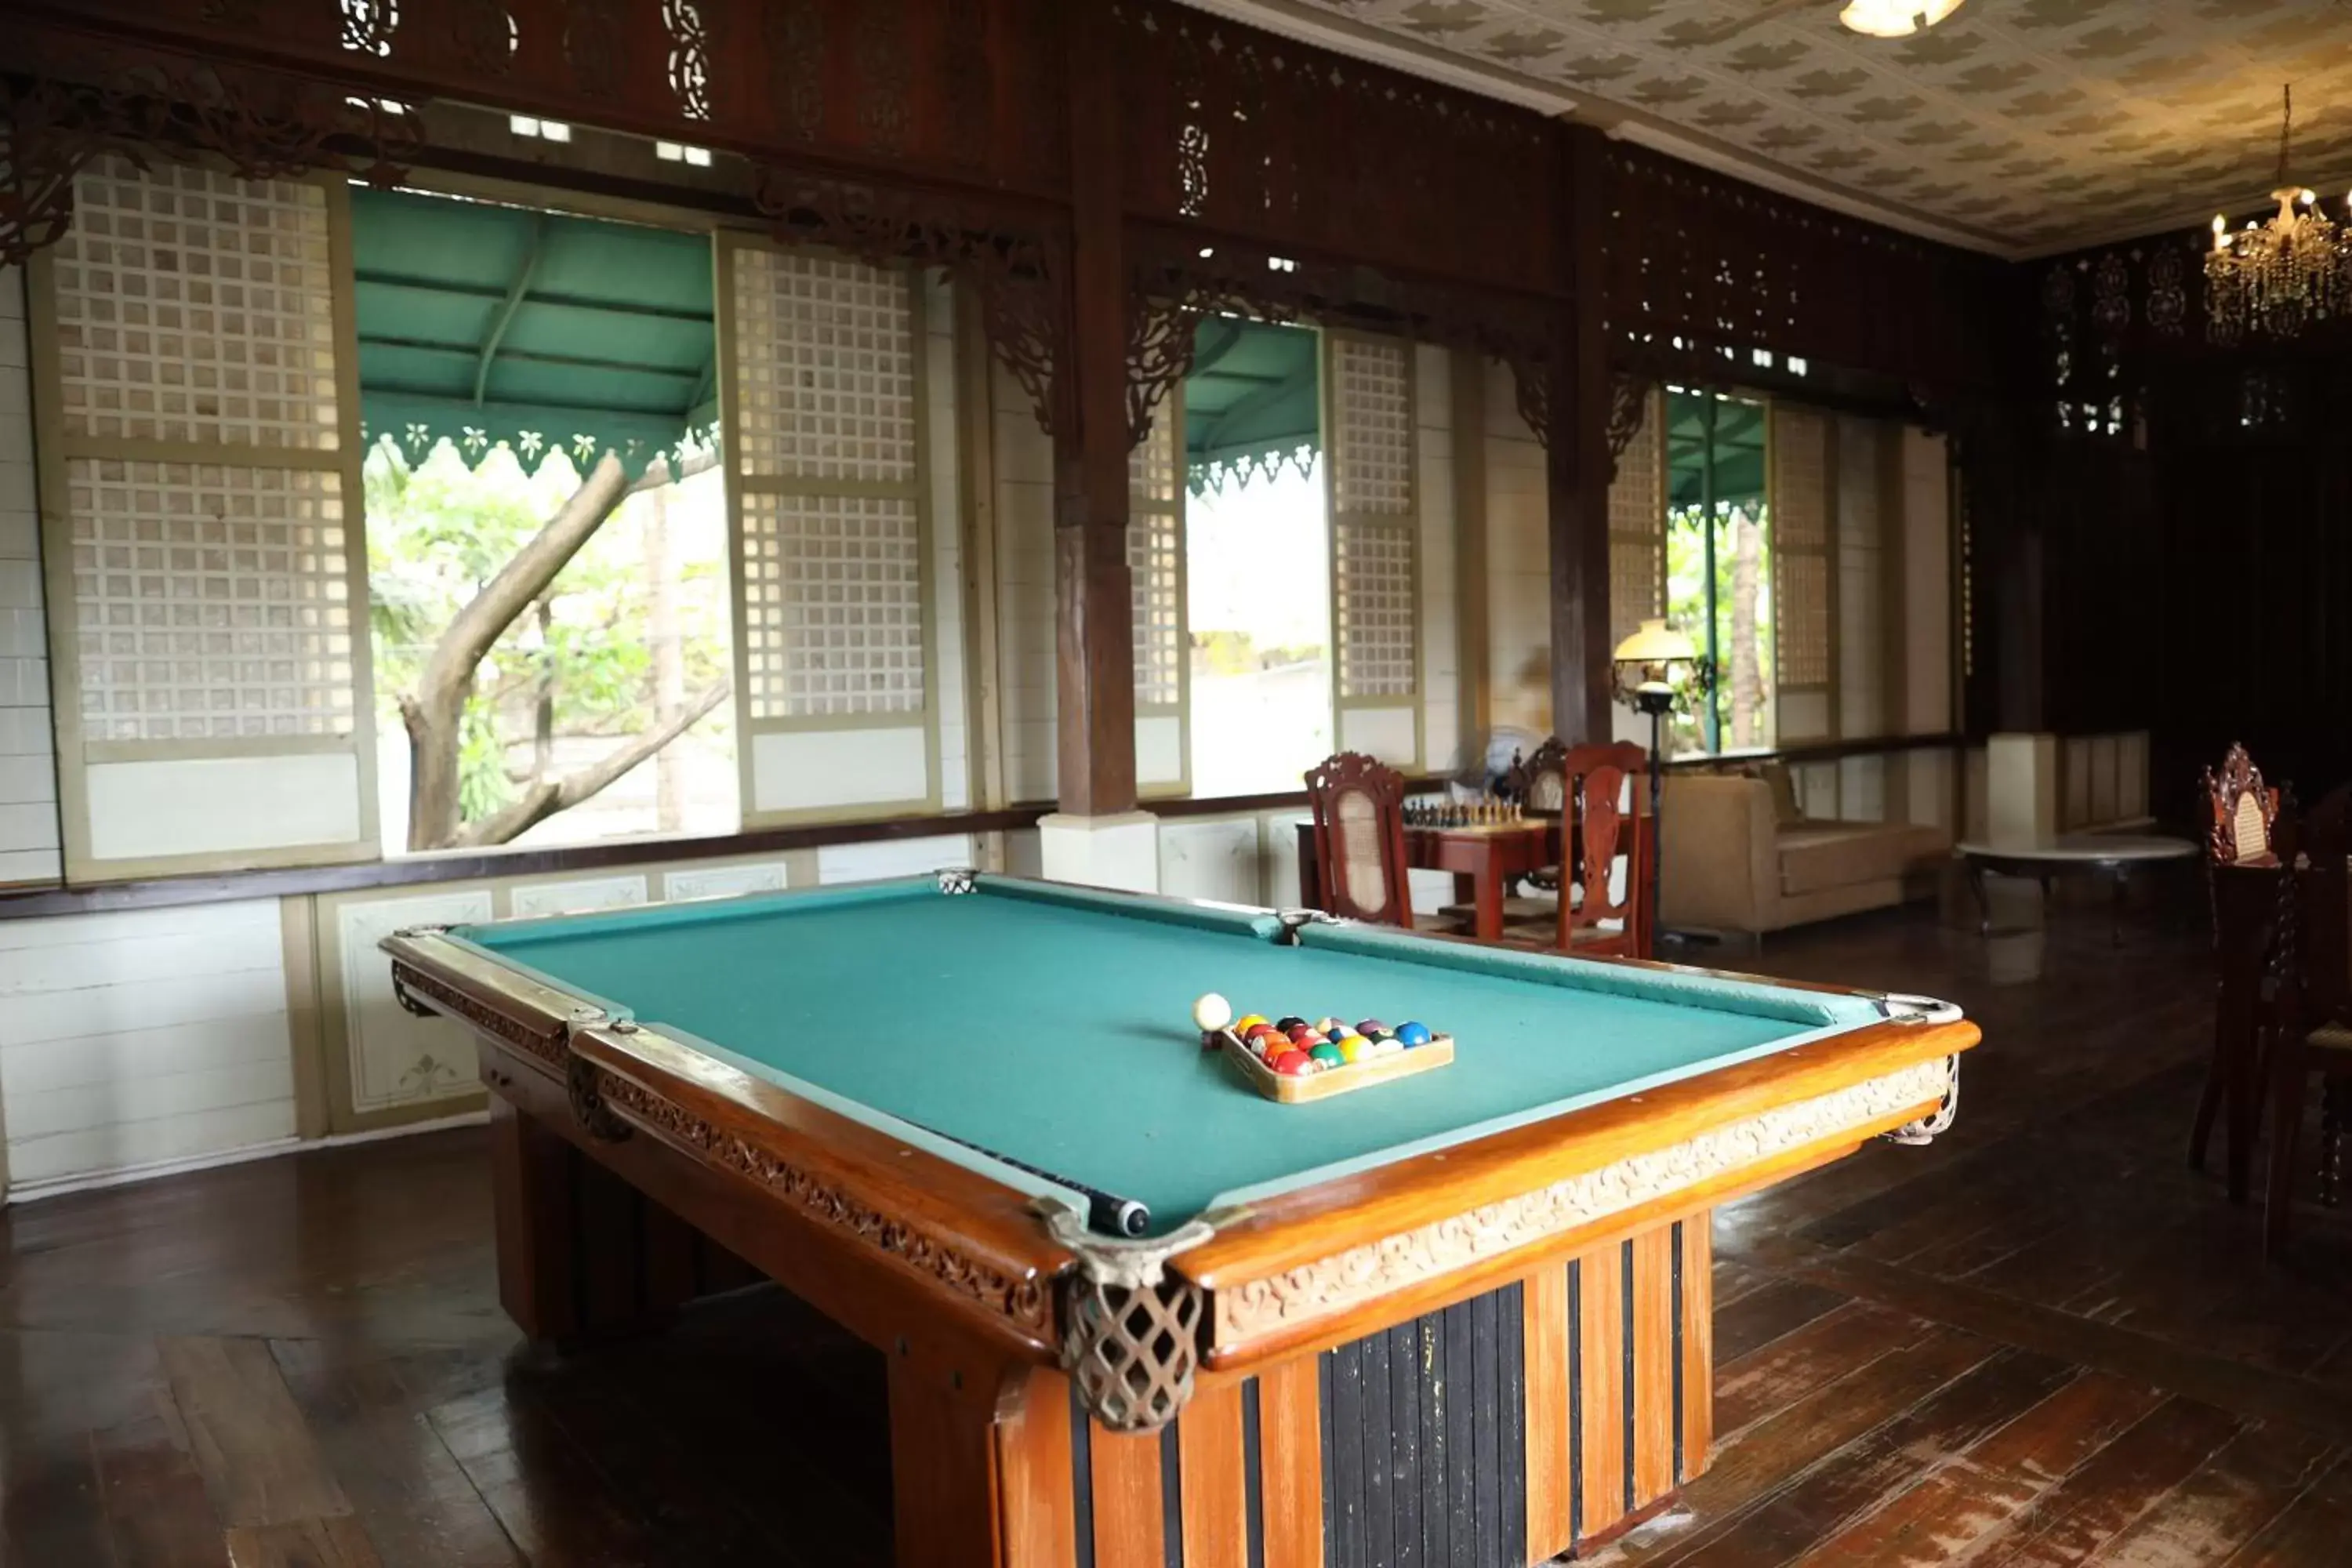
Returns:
point(2019, 126)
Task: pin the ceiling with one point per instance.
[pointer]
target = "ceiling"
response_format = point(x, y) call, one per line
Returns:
point(2018, 127)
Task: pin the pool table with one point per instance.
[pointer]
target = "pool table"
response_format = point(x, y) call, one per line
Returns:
point(1463, 1317)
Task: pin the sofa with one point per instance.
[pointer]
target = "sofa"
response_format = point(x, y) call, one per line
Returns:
point(1737, 857)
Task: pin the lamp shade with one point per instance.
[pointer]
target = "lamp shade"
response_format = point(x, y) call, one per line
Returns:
point(1656, 643)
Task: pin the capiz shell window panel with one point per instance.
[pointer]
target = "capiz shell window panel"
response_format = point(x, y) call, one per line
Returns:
point(206, 572)
point(826, 423)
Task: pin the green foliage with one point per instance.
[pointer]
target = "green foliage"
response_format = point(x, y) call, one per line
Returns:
point(1687, 600)
point(438, 531)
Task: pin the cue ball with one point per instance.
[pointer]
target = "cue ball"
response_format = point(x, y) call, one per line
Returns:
point(1213, 1012)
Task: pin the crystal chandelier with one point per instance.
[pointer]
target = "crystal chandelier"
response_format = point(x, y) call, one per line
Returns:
point(2279, 277)
point(1895, 19)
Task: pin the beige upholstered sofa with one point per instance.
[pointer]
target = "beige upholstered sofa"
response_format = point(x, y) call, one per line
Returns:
point(1736, 862)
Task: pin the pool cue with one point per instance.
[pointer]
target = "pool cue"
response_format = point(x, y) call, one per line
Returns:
point(1105, 1212)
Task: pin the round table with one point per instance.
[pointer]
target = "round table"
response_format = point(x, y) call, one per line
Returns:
point(2116, 854)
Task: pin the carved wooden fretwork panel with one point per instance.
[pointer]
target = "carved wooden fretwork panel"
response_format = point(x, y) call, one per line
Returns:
point(1155, 539)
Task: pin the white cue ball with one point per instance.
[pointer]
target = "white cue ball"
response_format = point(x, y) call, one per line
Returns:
point(1211, 1012)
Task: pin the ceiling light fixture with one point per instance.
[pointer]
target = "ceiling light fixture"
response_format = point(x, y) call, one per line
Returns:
point(1895, 19)
point(2279, 277)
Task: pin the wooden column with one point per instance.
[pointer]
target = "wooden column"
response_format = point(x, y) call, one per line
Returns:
point(1094, 712)
point(1577, 459)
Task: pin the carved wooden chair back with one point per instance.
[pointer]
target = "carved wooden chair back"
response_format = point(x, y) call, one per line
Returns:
point(1607, 782)
point(1359, 805)
point(2313, 1029)
point(1543, 779)
point(2243, 812)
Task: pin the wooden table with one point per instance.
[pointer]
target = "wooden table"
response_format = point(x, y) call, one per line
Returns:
point(1483, 858)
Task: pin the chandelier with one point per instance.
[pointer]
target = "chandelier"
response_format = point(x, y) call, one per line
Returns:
point(2279, 277)
point(1895, 19)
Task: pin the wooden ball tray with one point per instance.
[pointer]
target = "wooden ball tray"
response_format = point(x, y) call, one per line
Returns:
point(1298, 1090)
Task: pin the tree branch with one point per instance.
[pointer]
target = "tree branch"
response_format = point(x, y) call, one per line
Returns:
point(544, 799)
point(450, 670)
point(701, 462)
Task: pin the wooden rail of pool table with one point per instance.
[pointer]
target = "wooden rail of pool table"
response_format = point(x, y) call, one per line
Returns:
point(1320, 1263)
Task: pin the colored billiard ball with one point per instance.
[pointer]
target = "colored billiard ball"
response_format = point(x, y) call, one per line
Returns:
point(1411, 1034)
point(1290, 1064)
point(1355, 1048)
point(1212, 1011)
point(1304, 1034)
point(1324, 1026)
point(1247, 1022)
point(1371, 1026)
point(1257, 1031)
point(1387, 1046)
point(1328, 1052)
point(1289, 1024)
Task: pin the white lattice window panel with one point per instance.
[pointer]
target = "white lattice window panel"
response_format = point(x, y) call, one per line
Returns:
point(824, 368)
point(833, 605)
point(1372, 426)
point(1373, 607)
point(1153, 539)
point(1802, 606)
point(1151, 468)
point(1799, 479)
point(1637, 528)
point(195, 306)
point(210, 601)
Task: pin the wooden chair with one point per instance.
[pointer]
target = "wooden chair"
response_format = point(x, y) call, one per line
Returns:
point(1359, 804)
point(1543, 780)
point(1608, 784)
point(2242, 878)
point(2313, 1013)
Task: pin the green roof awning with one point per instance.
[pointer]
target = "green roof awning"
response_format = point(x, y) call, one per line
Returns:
point(490, 324)
point(1739, 449)
point(1253, 402)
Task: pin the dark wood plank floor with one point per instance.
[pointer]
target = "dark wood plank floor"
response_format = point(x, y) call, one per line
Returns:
point(2043, 1340)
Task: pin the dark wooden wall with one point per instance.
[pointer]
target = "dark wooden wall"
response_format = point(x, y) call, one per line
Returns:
point(2176, 515)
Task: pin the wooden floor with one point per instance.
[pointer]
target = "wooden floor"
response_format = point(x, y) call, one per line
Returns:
point(2042, 1340)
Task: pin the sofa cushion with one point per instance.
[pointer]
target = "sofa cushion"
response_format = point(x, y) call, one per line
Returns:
point(1821, 855)
point(1783, 785)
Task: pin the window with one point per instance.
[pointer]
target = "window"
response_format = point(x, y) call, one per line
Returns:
point(1721, 563)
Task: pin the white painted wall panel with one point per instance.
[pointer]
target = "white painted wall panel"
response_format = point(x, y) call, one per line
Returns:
point(1280, 867)
point(1519, 563)
point(397, 1058)
point(1926, 584)
point(724, 881)
point(1211, 857)
point(804, 769)
point(947, 545)
point(216, 805)
point(1441, 647)
point(1025, 589)
point(150, 1035)
point(891, 858)
point(28, 811)
point(577, 895)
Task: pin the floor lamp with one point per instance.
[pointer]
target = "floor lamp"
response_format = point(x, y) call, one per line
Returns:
point(1644, 668)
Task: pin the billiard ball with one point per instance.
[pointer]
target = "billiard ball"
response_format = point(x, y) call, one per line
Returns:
point(1212, 1011)
point(1371, 1026)
point(1256, 1030)
point(1247, 1022)
point(1411, 1034)
point(1289, 1024)
point(1324, 1026)
point(1328, 1052)
point(1354, 1048)
point(1303, 1036)
point(1290, 1064)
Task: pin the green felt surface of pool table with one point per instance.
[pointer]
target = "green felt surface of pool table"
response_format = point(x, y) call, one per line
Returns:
point(1055, 1026)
